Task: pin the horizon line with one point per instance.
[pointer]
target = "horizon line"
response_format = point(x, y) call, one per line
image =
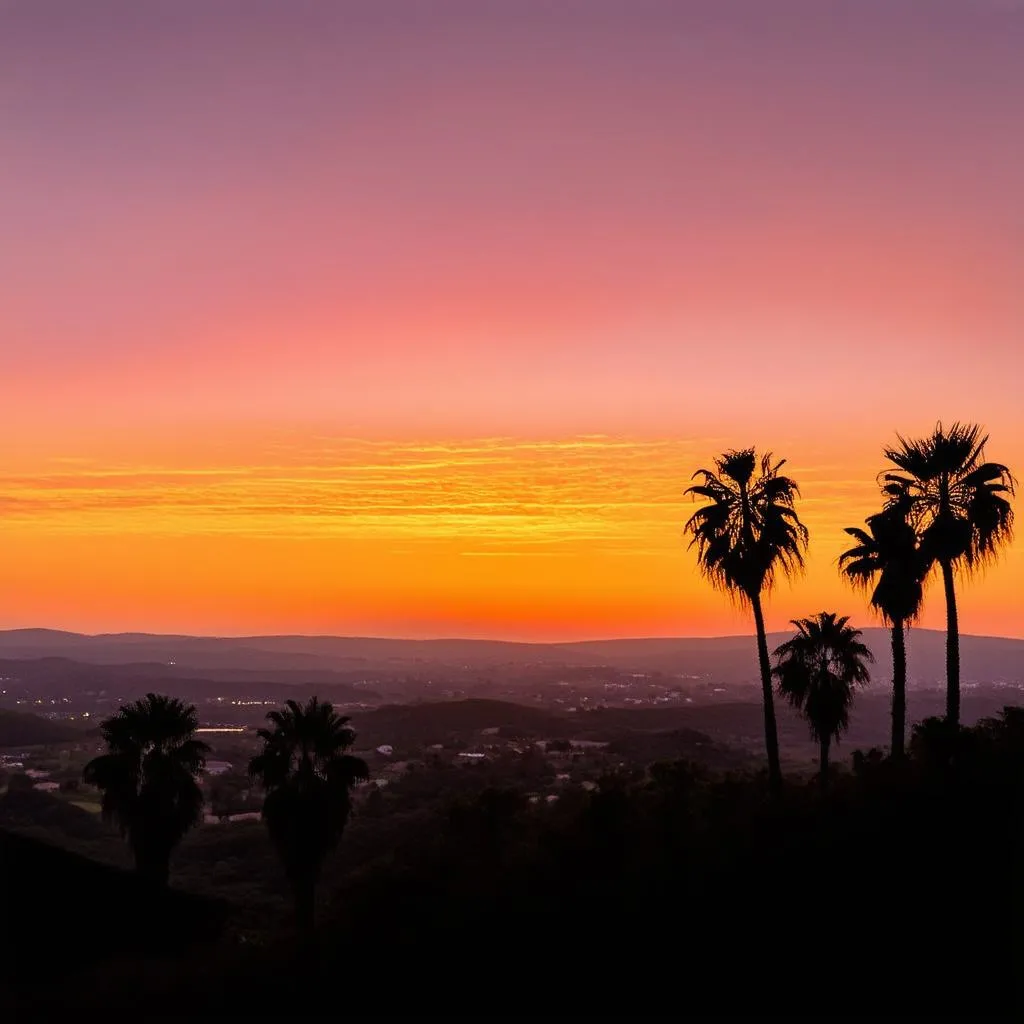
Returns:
point(449, 639)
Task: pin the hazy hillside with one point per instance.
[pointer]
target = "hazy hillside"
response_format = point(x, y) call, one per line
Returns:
point(436, 721)
point(731, 725)
point(129, 680)
point(21, 730)
point(987, 659)
point(729, 659)
point(121, 648)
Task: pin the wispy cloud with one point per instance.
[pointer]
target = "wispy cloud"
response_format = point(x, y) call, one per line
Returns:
point(478, 498)
point(519, 493)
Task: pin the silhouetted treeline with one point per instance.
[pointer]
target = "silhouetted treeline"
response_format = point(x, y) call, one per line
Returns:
point(897, 892)
point(945, 509)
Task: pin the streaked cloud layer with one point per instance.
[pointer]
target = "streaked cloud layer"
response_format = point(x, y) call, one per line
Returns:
point(492, 492)
point(578, 536)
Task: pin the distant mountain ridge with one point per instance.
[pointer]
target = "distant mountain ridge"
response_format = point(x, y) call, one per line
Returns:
point(989, 659)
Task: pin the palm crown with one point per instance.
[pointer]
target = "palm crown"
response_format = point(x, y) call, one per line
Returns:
point(818, 669)
point(748, 533)
point(306, 744)
point(887, 561)
point(958, 502)
point(148, 775)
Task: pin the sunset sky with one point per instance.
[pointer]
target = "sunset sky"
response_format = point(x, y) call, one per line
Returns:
point(414, 319)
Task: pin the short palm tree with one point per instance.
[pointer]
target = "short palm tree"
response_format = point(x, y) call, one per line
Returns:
point(308, 779)
point(959, 504)
point(148, 778)
point(747, 536)
point(817, 671)
point(887, 561)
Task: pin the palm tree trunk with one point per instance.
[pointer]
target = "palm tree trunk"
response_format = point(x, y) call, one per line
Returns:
point(899, 689)
point(952, 647)
point(771, 734)
point(823, 764)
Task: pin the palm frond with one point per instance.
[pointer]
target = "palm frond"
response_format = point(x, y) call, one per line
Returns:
point(818, 669)
point(958, 502)
point(308, 740)
point(888, 562)
point(748, 534)
point(148, 777)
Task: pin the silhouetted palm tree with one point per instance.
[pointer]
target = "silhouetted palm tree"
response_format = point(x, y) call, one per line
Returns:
point(308, 779)
point(817, 671)
point(887, 560)
point(148, 778)
point(746, 536)
point(959, 505)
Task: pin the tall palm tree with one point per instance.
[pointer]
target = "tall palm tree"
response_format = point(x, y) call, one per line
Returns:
point(747, 535)
point(148, 778)
point(308, 779)
point(887, 561)
point(817, 671)
point(959, 505)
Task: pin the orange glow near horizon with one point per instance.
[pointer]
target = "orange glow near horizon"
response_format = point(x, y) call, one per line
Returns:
point(548, 540)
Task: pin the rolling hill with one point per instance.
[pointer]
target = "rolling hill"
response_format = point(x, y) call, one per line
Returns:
point(729, 659)
point(18, 729)
point(129, 680)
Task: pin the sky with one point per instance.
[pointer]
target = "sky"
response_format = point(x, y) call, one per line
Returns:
point(415, 319)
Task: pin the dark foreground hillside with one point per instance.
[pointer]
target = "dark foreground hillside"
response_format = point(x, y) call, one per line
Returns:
point(667, 893)
point(63, 913)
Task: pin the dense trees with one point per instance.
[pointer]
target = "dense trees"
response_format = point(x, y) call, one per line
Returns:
point(148, 778)
point(817, 671)
point(308, 778)
point(747, 535)
point(959, 506)
point(506, 885)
